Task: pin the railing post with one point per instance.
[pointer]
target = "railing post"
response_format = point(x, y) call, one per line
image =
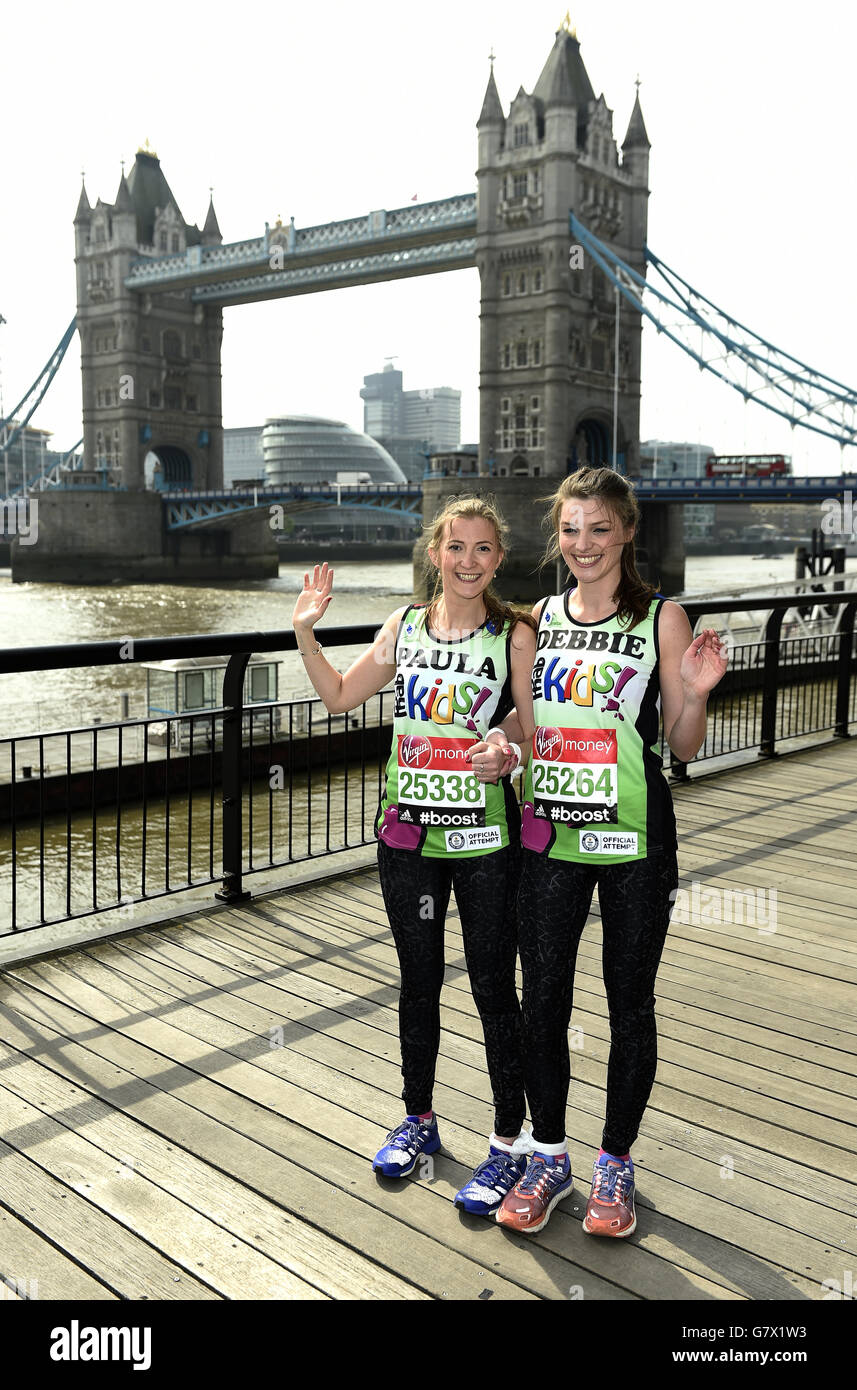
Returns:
point(232, 890)
point(843, 674)
point(678, 768)
point(769, 683)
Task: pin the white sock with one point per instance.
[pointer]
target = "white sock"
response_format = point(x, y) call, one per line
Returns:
point(551, 1150)
point(522, 1145)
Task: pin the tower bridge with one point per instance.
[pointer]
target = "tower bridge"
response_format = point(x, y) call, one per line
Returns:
point(559, 366)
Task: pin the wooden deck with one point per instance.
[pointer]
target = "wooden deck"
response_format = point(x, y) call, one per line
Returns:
point(188, 1112)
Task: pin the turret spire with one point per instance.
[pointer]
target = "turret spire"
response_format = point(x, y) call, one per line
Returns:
point(636, 136)
point(84, 211)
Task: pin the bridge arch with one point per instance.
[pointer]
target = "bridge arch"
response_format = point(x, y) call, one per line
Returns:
point(592, 443)
point(167, 466)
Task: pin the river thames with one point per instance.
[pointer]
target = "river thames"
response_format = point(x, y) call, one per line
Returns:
point(46, 614)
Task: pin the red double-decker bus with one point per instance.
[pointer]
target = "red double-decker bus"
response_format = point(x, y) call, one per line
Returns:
point(748, 466)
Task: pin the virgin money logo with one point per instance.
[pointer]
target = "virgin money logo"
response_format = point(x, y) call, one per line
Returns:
point(548, 741)
point(416, 751)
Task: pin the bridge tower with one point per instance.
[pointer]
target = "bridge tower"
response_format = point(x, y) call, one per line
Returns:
point(150, 363)
point(548, 315)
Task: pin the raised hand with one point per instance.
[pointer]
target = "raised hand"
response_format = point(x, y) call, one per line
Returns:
point(313, 599)
point(704, 663)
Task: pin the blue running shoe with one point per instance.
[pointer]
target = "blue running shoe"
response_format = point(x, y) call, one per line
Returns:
point(404, 1145)
point(492, 1179)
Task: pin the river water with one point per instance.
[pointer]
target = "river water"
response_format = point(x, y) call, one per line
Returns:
point(46, 614)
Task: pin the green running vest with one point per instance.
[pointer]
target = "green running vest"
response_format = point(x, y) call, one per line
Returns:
point(448, 694)
point(595, 791)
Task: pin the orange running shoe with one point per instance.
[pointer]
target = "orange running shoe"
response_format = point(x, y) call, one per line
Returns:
point(610, 1209)
point(528, 1206)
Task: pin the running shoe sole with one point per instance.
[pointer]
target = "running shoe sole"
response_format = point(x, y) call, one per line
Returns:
point(613, 1235)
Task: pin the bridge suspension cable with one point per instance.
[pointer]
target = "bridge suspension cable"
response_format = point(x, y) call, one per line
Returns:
point(33, 398)
point(727, 348)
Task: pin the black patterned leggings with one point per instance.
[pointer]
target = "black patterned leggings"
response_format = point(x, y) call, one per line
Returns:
point(635, 908)
point(416, 892)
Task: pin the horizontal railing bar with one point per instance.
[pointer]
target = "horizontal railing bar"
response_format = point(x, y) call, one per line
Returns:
point(14, 660)
point(18, 659)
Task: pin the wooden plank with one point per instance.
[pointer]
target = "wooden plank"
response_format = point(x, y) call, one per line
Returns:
point(197, 1245)
point(312, 1257)
point(732, 997)
point(118, 1258)
point(217, 968)
point(34, 1270)
point(400, 1240)
point(375, 1069)
point(691, 1255)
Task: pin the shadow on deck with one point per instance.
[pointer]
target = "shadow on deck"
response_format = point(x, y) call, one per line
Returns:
point(188, 1112)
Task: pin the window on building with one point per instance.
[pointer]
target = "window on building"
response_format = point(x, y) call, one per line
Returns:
point(520, 354)
point(537, 352)
point(173, 398)
point(146, 343)
point(521, 135)
point(190, 403)
point(522, 283)
point(507, 355)
point(536, 181)
point(155, 399)
point(172, 344)
point(505, 405)
point(537, 280)
point(175, 242)
point(519, 186)
point(162, 241)
point(507, 285)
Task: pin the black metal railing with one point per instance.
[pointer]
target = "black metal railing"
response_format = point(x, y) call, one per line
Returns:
point(784, 685)
point(101, 818)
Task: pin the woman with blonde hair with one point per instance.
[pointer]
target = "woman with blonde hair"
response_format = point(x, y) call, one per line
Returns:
point(613, 656)
point(459, 664)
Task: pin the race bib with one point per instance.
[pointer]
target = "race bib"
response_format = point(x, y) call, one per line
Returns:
point(575, 775)
point(436, 784)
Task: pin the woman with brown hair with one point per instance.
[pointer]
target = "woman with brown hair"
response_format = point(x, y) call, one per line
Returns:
point(458, 664)
point(613, 656)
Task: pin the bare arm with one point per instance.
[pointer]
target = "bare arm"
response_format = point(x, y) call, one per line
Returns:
point(690, 667)
point(517, 726)
point(367, 675)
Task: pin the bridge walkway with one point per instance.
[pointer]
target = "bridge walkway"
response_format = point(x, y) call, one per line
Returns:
point(188, 1112)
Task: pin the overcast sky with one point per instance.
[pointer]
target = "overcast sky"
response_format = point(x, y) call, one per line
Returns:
point(327, 112)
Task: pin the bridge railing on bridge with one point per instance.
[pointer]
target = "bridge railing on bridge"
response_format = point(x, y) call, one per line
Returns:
point(99, 819)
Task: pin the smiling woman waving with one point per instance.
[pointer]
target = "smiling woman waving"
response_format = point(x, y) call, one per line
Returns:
point(459, 664)
point(613, 656)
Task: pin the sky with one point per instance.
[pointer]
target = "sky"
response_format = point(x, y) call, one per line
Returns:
point(327, 112)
